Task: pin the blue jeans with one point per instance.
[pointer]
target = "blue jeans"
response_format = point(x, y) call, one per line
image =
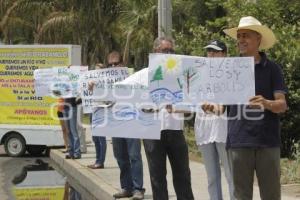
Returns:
point(172, 144)
point(212, 154)
point(100, 146)
point(74, 142)
point(127, 152)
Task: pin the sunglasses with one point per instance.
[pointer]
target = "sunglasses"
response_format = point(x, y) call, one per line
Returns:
point(113, 64)
point(170, 51)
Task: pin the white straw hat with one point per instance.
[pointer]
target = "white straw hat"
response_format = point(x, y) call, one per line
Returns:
point(268, 38)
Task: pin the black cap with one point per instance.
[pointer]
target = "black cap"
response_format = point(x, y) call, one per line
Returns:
point(216, 45)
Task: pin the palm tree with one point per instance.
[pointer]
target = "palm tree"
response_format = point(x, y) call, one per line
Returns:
point(87, 23)
point(10, 24)
point(138, 22)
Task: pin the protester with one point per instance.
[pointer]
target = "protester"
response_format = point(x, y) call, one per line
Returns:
point(74, 151)
point(63, 123)
point(99, 141)
point(127, 152)
point(211, 134)
point(172, 144)
point(254, 131)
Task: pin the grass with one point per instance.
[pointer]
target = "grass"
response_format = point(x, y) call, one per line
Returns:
point(290, 169)
point(194, 154)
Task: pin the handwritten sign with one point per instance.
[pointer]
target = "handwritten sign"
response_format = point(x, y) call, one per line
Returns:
point(58, 81)
point(42, 79)
point(103, 84)
point(228, 80)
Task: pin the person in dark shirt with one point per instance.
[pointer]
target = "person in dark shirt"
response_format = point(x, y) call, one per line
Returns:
point(253, 139)
point(70, 111)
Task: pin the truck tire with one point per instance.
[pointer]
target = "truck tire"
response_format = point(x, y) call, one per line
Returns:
point(15, 145)
point(35, 150)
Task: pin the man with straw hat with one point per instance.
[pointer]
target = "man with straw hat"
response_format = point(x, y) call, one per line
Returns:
point(253, 140)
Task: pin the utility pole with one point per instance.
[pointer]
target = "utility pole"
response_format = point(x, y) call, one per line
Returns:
point(164, 18)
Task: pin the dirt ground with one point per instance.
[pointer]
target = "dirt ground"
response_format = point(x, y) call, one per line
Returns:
point(291, 190)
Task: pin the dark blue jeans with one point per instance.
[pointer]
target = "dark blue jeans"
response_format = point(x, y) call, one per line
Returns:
point(100, 146)
point(74, 142)
point(173, 145)
point(127, 152)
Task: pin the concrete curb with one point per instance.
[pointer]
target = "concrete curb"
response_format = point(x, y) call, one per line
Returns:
point(95, 185)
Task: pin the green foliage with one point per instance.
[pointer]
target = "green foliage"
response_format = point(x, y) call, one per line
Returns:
point(87, 23)
point(138, 24)
point(190, 139)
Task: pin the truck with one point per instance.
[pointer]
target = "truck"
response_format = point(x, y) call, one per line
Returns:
point(28, 122)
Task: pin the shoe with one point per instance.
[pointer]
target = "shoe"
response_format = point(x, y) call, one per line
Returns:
point(65, 151)
point(69, 157)
point(122, 194)
point(138, 195)
point(96, 166)
point(77, 157)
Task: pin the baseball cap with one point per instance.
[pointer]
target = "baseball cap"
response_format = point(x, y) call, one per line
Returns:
point(216, 45)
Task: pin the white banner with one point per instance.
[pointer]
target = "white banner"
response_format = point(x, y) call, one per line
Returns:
point(58, 81)
point(227, 80)
point(43, 78)
point(191, 80)
point(125, 121)
point(103, 83)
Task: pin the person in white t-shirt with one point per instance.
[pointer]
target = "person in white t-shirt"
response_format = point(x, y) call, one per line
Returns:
point(172, 144)
point(211, 133)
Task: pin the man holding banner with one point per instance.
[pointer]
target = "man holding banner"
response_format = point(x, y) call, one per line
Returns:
point(172, 144)
point(127, 152)
point(254, 131)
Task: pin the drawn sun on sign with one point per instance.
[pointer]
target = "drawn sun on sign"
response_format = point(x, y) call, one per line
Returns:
point(172, 64)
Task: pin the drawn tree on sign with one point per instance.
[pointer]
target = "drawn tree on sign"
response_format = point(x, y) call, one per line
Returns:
point(188, 74)
point(158, 75)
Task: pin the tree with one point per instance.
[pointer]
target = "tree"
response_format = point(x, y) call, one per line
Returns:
point(138, 22)
point(90, 24)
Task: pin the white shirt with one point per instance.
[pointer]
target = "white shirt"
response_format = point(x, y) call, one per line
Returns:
point(210, 128)
point(171, 121)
